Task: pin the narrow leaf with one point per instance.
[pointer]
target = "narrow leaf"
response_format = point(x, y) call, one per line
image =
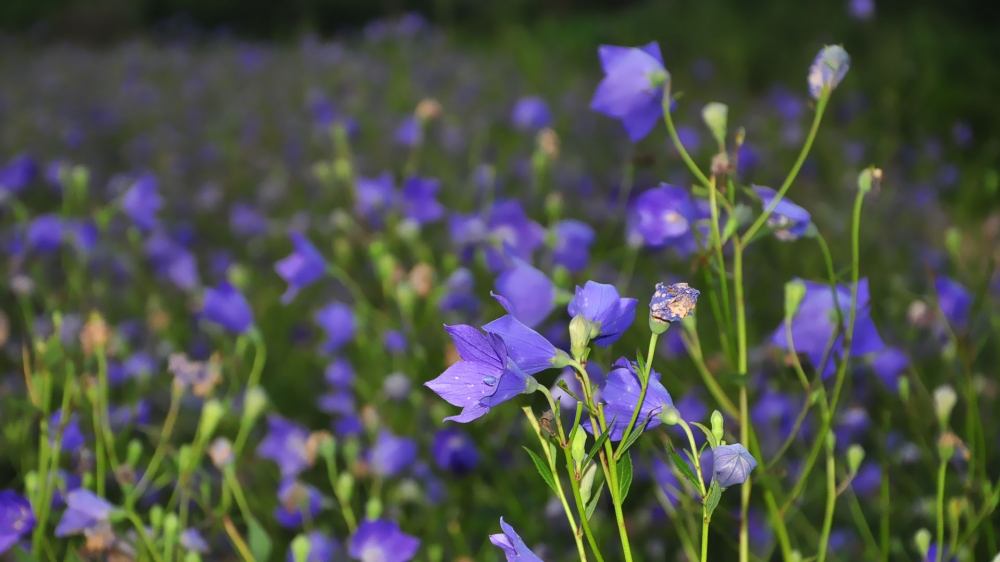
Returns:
point(599, 442)
point(592, 504)
point(260, 542)
point(708, 434)
point(682, 466)
point(624, 475)
point(543, 469)
point(634, 435)
point(714, 495)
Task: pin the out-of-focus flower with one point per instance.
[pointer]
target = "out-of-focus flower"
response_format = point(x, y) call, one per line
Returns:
point(530, 294)
point(620, 395)
point(571, 249)
point(302, 268)
point(454, 451)
point(788, 220)
point(512, 545)
point(954, 300)
point(16, 519)
point(337, 320)
point(888, 364)
point(662, 215)
point(322, 548)
point(419, 200)
point(72, 436)
point(733, 464)
point(226, 306)
point(382, 541)
point(17, 174)
point(531, 113)
point(632, 88)
point(142, 202)
point(828, 69)
point(394, 341)
point(85, 512)
point(391, 454)
point(374, 196)
point(288, 445)
point(602, 304)
point(296, 501)
point(45, 233)
point(861, 9)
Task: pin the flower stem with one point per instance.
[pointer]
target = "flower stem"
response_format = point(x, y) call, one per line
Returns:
point(644, 380)
point(259, 358)
point(677, 141)
point(177, 391)
point(831, 501)
point(939, 506)
point(705, 520)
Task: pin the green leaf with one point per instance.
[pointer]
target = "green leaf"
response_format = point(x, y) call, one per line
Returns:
point(708, 433)
point(259, 542)
point(712, 500)
point(624, 475)
point(635, 434)
point(592, 504)
point(21, 555)
point(682, 466)
point(543, 469)
point(599, 442)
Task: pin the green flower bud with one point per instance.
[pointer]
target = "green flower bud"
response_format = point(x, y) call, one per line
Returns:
point(170, 525)
point(345, 486)
point(869, 179)
point(795, 291)
point(717, 425)
point(300, 548)
point(904, 389)
point(373, 508)
point(944, 401)
point(587, 482)
point(254, 404)
point(922, 540)
point(580, 330)
point(578, 447)
point(716, 115)
point(211, 414)
point(192, 556)
point(670, 415)
point(156, 517)
point(953, 241)
point(134, 452)
point(855, 454)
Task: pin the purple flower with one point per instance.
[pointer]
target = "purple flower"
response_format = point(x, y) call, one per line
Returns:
point(339, 374)
point(954, 300)
point(246, 221)
point(888, 364)
point(481, 379)
point(527, 349)
point(373, 196)
point(17, 174)
point(83, 233)
point(868, 479)
point(455, 451)
point(287, 444)
point(788, 220)
point(531, 113)
point(321, 548)
point(337, 402)
point(861, 9)
point(295, 500)
point(632, 88)
point(226, 306)
point(16, 519)
point(192, 541)
point(302, 268)
point(409, 132)
point(72, 436)
point(419, 200)
point(512, 545)
point(828, 69)
point(601, 303)
point(172, 260)
point(620, 394)
point(573, 239)
point(391, 454)
point(662, 215)
point(816, 319)
point(511, 233)
point(337, 320)
point(733, 464)
point(382, 541)
point(84, 511)
point(394, 341)
point(45, 233)
point(459, 295)
point(142, 202)
point(672, 303)
point(531, 294)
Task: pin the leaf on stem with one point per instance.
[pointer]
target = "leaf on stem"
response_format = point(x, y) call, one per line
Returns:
point(624, 475)
point(543, 469)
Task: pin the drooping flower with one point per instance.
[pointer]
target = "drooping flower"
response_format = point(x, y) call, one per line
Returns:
point(287, 444)
point(419, 200)
point(296, 500)
point(632, 88)
point(733, 464)
point(302, 268)
point(226, 306)
point(382, 541)
point(531, 295)
point(816, 319)
point(322, 548)
point(828, 69)
point(601, 303)
point(16, 518)
point(661, 216)
point(391, 454)
point(531, 113)
point(526, 348)
point(788, 220)
point(620, 395)
point(85, 511)
point(481, 379)
point(672, 303)
point(337, 320)
point(512, 545)
point(571, 249)
point(142, 202)
point(454, 451)
point(954, 300)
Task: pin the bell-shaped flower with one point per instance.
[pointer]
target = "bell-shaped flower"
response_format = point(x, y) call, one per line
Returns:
point(620, 396)
point(226, 306)
point(453, 450)
point(788, 220)
point(954, 300)
point(419, 200)
point(733, 464)
point(531, 113)
point(571, 249)
point(526, 348)
point(510, 232)
point(16, 519)
point(601, 303)
point(531, 295)
point(322, 548)
point(828, 69)
point(45, 233)
point(142, 202)
point(287, 444)
point(632, 88)
point(513, 547)
point(661, 216)
point(337, 320)
point(302, 268)
point(85, 511)
point(382, 541)
point(391, 454)
point(296, 502)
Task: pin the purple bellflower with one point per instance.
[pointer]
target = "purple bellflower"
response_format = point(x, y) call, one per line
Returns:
point(954, 300)
point(45, 233)
point(482, 378)
point(419, 200)
point(16, 519)
point(632, 88)
point(409, 132)
point(374, 196)
point(530, 294)
point(337, 320)
point(733, 464)
point(295, 501)
point(460, 295)
point(226, 306)
point(339, 374)
point(828, 69)
point(788, 220)
point(620, 395)
point(382, 541)
point(17, 174)
point(72, 435)
point(391, 454)
point(528, 350)
point(287, 444)
point(816, 319)
point(85, 511)
point(531, 113)
point(142, 202)
point(302, 268)
point(600, 303)
point(454, 451)
point(661, 216)
point(573, 239)
point(511, 233)
point(888, 364)
point(512, 545)
point(321, 548)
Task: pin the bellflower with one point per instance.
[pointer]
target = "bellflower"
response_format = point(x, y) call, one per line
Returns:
point(459, 295)
point(226, 306)
point(632, 88)
point(339, 374)
point(601, 303)
point(374, 196)
point(816, 319)
point(391, 454)
point(394, 341)
point(788, 220)
point(302, 268)
point(527, 349)
point(419, 200)
point(733, 464)
point(246, 221)
point(172, 260)
point(662, 215)
point(84, 511)
point(531, 113)
point(888, 364)
point(16, 519)
point(142, 202)
point(287, 444)
point(672, 303)
point(321, 548)
point(620, 395)
point(511, 233)
point(337, 320)
point(512, 545)
point(573, 239)
point(192, 541)
point(45, 233)
point(409, 132)
point(72, 436)
point(954, 300)
point(828, 69)
point(482, 378)
point(382, 541)
point(530, 294)
point(454, 451)
point(295, 501)
point(17, 174)
point(83, 233)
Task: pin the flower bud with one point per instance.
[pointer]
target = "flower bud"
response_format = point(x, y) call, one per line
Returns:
point(855, 454)
point(670, 415)
point(95, 334)
point(345, 486)
point(715, 115)
point(300, 548)
point(922, 540)
point(580, 330)
point(548, 143)
point(795, 291)
point(221, 453)
point(427, 109)
point(578, 447)
point(671, 304)
point(904, 389)
point(373, 508)
point(717, 425)
point(211, 414)
point(587, 482)
point(254, 404)
point(134, 452)
point(944, 401)
point(170, 525)
point(828, 69)
point(720, 164)
point(869, 179)
point(156, 517)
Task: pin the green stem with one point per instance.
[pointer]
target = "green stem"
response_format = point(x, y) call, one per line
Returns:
point(141, 530)
point(693, 347)
point(705, 520)
point(345, 506)
point(642, 393)
point(780, 530)
point(831, 501)
point(677, 141)
point(259, 358)
point(581, 507)
point(716, 242)
point(177, 391)
point(939, 506)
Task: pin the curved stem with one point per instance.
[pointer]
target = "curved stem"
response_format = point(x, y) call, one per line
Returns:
point(831, 502)
point(694, 351)
point(677, 140)
point(705, 520)
point(259, 358)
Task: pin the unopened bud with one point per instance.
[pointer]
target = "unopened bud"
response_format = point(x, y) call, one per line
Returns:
point(300, 548)
point(670, 415)
point(254, 404)
point(221, 453)
point(855, 454)
point(135, 449)
point(795, 291)
point(922, 540)
point(211, 414)
point(373, 508)
point(578, 447)
point(580, 330)
point(717, 425)
point(944, 401)
point(716, 116)
point(548, 143)
point(422, 279)
point(869, 179)
point(345, 486)
point(95, 334)
point(428, 109)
